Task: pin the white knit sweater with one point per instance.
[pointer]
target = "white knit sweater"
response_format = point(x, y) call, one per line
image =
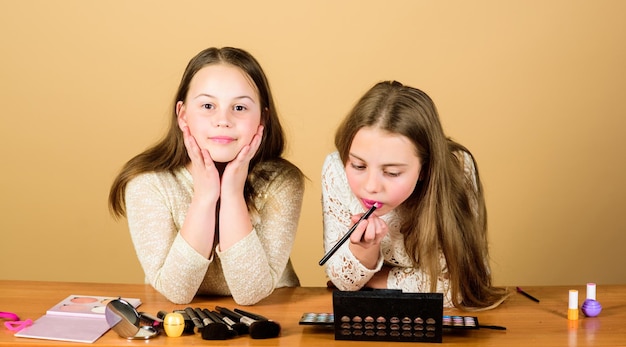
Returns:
point(250, 270)
point(343, 268)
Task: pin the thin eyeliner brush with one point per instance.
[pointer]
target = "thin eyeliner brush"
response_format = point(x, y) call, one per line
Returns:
point(347, 235)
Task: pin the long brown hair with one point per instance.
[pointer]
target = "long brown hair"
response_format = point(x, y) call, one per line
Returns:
point(170, 152)
point(446, 211)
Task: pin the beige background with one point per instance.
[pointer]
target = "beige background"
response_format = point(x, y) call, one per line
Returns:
point(533, 88)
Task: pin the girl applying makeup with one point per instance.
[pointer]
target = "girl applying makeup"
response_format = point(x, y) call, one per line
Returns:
point(429, 230)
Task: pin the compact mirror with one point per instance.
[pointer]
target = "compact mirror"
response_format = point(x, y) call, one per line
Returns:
point(125, 321)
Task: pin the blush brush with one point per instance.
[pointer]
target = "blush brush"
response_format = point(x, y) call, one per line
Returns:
point(258, 329)
point(215, 318)
point(238, 327)
point(213, 329)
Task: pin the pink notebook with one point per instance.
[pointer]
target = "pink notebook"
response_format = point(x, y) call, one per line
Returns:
point(78, 318)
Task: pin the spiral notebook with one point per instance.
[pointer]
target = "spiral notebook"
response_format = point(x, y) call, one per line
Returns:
point(77, 318)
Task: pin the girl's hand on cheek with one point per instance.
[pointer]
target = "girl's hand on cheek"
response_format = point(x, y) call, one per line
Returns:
point(236, 171)
point(206, 179)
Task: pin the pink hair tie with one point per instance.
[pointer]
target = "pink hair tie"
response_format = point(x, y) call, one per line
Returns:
point(14, 323)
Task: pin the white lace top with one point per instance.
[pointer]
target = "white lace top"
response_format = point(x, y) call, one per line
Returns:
point(250, 270)
point(343, 269)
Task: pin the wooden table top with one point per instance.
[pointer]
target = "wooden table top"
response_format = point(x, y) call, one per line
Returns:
point(528, 323)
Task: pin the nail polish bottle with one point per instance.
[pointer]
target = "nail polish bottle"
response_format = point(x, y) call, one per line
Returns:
point(591, 307)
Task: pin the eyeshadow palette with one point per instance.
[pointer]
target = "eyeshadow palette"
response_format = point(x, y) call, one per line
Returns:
point(388, 315)
point(460, 322)
point(312, 318)
point(449, 322)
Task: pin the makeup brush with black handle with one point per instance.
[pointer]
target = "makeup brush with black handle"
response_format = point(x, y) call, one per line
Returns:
point(212, 330)
point(239, 327)
point(217, 320)
point(251, 315)
point(258, 329)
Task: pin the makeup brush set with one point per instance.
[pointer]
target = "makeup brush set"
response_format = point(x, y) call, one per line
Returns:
point(223, 323)
point(218, 324)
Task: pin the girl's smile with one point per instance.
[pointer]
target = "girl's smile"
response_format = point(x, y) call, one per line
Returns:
point(222, 110)
point(222, 139)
